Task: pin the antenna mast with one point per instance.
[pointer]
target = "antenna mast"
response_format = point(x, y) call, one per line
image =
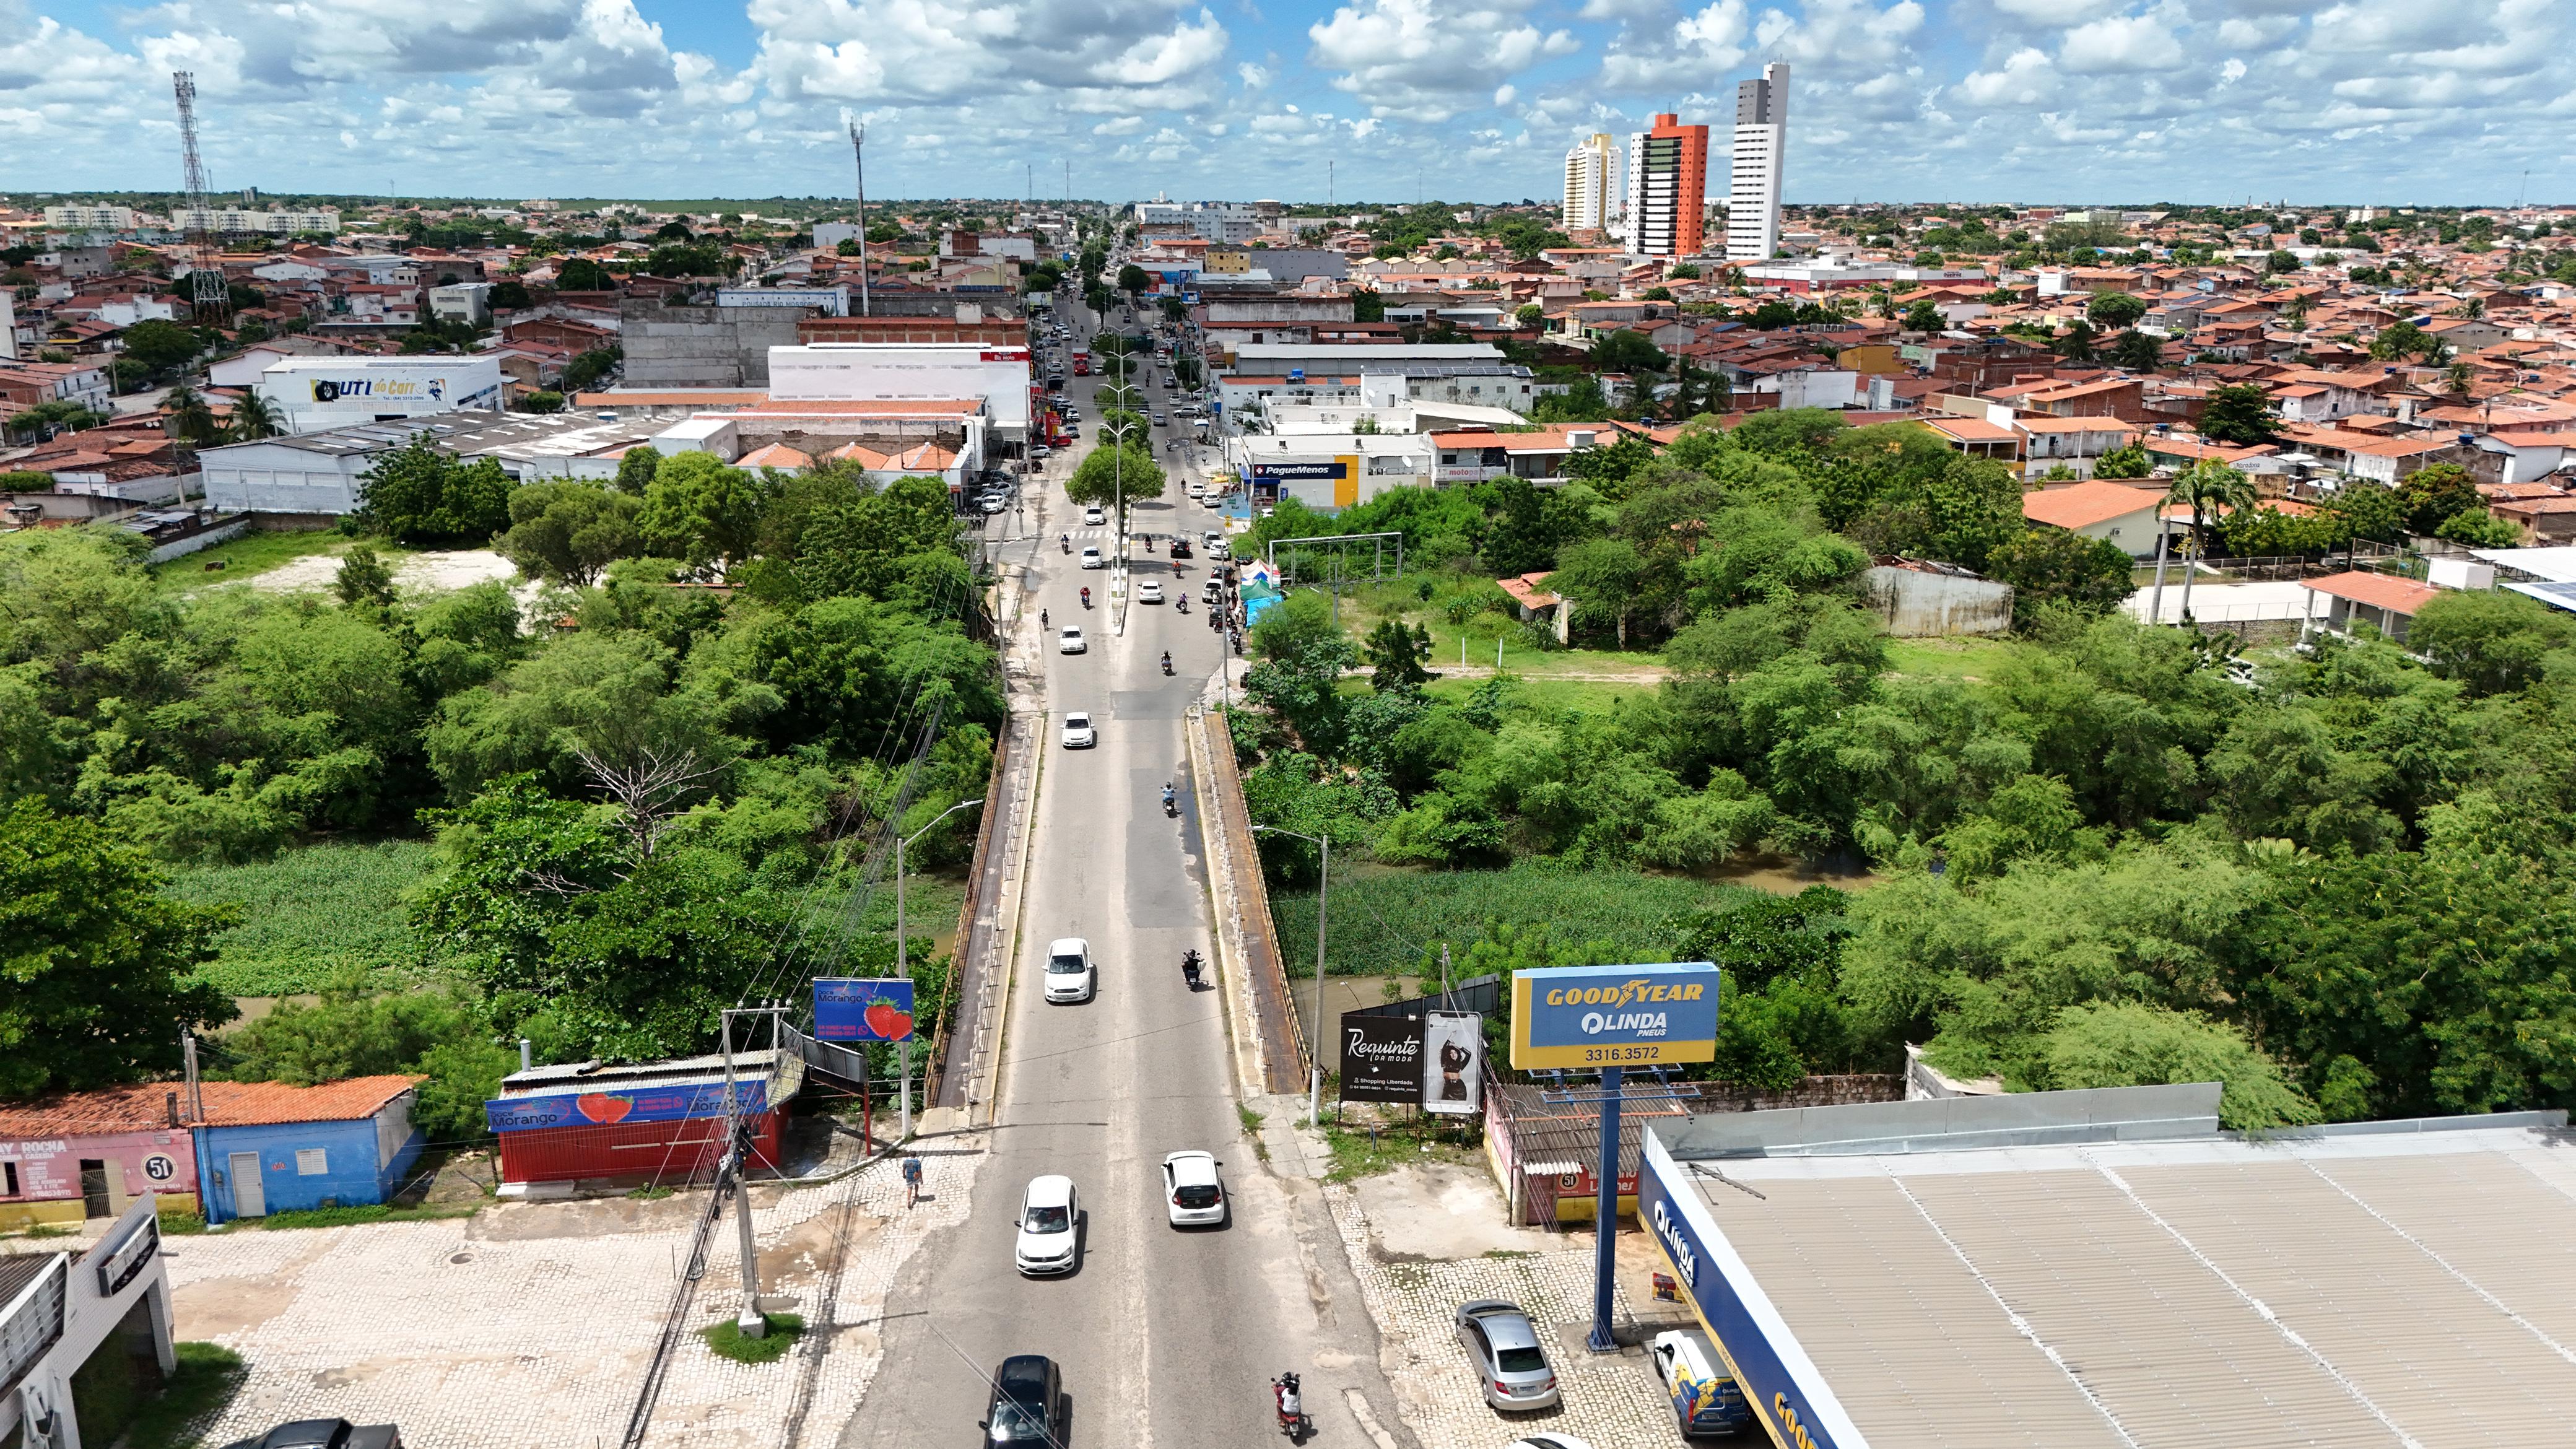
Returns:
point(859, 150)
point(209, 298)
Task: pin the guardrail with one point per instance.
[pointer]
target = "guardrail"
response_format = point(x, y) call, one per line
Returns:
point(1285, 1053)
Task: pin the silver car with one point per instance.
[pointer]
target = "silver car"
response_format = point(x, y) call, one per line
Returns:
point(1510, 1368)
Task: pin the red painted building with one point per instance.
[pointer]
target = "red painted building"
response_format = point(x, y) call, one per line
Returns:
point(657, 1122)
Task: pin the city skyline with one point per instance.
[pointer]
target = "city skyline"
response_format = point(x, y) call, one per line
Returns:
point(1958, 100)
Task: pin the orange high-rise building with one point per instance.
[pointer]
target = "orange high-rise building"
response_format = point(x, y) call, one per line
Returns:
point(1667, 188)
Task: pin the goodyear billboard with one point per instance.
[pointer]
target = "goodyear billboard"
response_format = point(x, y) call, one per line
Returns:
point(1589, 1017)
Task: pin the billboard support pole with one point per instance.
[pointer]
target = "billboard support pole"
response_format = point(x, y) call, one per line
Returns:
point(1605, 1220)
point(749, 1323)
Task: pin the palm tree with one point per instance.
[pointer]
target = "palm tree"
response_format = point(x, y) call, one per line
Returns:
point(254, 418)
point(2204, 487)
point(190, 419)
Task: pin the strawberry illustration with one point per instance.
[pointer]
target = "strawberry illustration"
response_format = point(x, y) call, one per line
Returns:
point(889, 1023)
point(603, 1108)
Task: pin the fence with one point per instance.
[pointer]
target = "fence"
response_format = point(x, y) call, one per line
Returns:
point(1285, 1053)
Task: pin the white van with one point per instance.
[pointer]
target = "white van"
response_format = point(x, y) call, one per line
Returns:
point(1705, 1399)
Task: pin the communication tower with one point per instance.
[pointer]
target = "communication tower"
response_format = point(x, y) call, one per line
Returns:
point(210, 298)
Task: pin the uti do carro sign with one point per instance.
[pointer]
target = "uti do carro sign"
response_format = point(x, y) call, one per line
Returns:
point(863, 1009)
point(1590, 1017)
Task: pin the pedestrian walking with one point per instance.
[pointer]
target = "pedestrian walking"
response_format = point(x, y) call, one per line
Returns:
point(911, 1181)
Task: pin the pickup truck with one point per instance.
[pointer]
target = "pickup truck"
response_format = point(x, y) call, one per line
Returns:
point(325, 1434)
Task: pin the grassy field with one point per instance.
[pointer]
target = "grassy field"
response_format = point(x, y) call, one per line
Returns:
point(313, 915)
point(1594, 696)
point(256, 553)
point(1385, 917)
point(1959, 658)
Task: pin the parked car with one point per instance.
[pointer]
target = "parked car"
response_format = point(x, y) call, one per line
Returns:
point(1704, 1396)
point(324, 1434)
point(1078, 733)
point(1070, 973)
point(1149, 591)
point(995, 502)
point(1511, 1368)
point(1192, 1195)
point(1048, 1212)
point(1071, 642)
point(1028, 1403)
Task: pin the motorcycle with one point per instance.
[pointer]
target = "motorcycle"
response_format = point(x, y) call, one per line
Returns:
point(1293, 1420)
point(1067, 540)
point(1190, 967)
point(1182, 604)
point(1086, 598)
point(1167, 661)
point(1171, 803)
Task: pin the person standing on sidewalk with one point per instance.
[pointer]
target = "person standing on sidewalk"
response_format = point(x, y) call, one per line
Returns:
point(911, 1181)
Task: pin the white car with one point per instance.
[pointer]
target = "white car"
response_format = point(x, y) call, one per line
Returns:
point(1150, 591)
point(1091, 557)
point(1191, 1193)
point(1047, 1216)
point(1039, 450)
point(1214, 540)
point(1070, 974)
point(1078, 733)
point(1094, 514)
point(1071, 642)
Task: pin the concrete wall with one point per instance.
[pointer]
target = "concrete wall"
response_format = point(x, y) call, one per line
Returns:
point(2106, 1114)
point(1918, 605)
point(668, 347)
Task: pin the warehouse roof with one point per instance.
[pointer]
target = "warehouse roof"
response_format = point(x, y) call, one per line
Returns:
point(2334, 1289)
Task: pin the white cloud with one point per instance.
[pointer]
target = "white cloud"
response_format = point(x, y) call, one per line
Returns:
point(1106, 56)
point(2056, 12)
point(2120, 43)
point(1416, 60)
point(1676, 50)
point(2027, 78)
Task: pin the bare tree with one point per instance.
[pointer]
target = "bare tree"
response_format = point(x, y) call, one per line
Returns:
point(649, 788)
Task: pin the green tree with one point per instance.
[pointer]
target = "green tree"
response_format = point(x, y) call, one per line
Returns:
point(2239, 413)
point(1924, 317)
point(1132, 279)
point(636, 469)
point(581, 274)
point(254, 418)
point(419, 495)
point(2491, 641)
point(2051, 566)
point(566, 532)
point(2115, 311)
point(190, 419)
point(1117, 476)
point(2133, 1044)
point(2076, 343)
point(161, 347)
point(2478, 528)
point(700, 510)
point(585, 370)
point(2135, 351)
point(1626, 351)
point(2129, 460)
point(511, 295)
point(1599, 577)
point(1395, 651)
point(2431, 497)
point(2281, 263)
point(363, 580)
point(95, 982)
point(1301, 655)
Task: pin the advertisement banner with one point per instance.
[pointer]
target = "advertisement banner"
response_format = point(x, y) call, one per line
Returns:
point(1614, 1016)
point(390, 389)
point(1453, 1062)
point(1381, 1058)
point(609, 1108)
point(1302, 470)
point(869, 1009)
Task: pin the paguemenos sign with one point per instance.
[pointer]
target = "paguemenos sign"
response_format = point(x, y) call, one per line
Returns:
point(1614, 1016)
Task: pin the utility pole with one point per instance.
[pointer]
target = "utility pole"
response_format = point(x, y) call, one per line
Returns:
point(209, 296)
point(751, 1322)
point(859, 151)
point(903, 972)
point(196, 1098)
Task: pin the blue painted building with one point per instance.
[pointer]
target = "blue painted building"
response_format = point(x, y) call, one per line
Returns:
point(269, 1148)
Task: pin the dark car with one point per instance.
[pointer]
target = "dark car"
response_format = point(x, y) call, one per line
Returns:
point(1028, 1403)
point(1181, 548)
point(325, 1434)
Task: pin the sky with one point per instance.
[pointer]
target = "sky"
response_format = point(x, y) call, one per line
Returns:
point(2388, 102)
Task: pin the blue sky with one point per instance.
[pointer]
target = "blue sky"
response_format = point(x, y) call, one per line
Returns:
point(2385, 101)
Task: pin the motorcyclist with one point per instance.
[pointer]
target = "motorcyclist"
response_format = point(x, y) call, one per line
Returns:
point(1168, 795)
point(1067, 540)
point(1292, 1409)
point(1042, 622)
point(1167, 661)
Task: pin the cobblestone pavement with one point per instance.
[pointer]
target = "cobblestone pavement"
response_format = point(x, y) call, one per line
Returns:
point(531, 1323)
point(1610, 1400)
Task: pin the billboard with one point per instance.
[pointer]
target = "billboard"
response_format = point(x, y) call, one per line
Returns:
point(1381, 1058)
point(386, 389)
point(1590, 1017)
point(611, 1107)
point(871, 1009)
point(1434, 1061)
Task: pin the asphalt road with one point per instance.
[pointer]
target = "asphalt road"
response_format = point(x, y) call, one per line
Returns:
point(1164, 1336)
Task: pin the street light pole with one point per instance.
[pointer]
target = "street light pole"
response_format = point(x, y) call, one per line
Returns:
point(903, 972)
point(1315, 1043)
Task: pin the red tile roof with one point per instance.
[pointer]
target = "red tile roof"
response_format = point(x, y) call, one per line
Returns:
point(2380, 591)
point(144, 1107)
point(1526, 591)
point(2081, 505)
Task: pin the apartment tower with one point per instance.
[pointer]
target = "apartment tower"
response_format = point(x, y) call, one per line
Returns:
point(1761, 139)
point(1667, 188)
point(1591, 171)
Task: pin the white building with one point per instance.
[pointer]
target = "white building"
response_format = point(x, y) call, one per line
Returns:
point(830, 234)
point(325, 473)
point(89, 218)
point(313, 393)
point(271, 222)
point(61, 1311)
point(466, 302)
point(1591, 184)
point(1761, 146)
point(8, 324)
point(825, 372)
